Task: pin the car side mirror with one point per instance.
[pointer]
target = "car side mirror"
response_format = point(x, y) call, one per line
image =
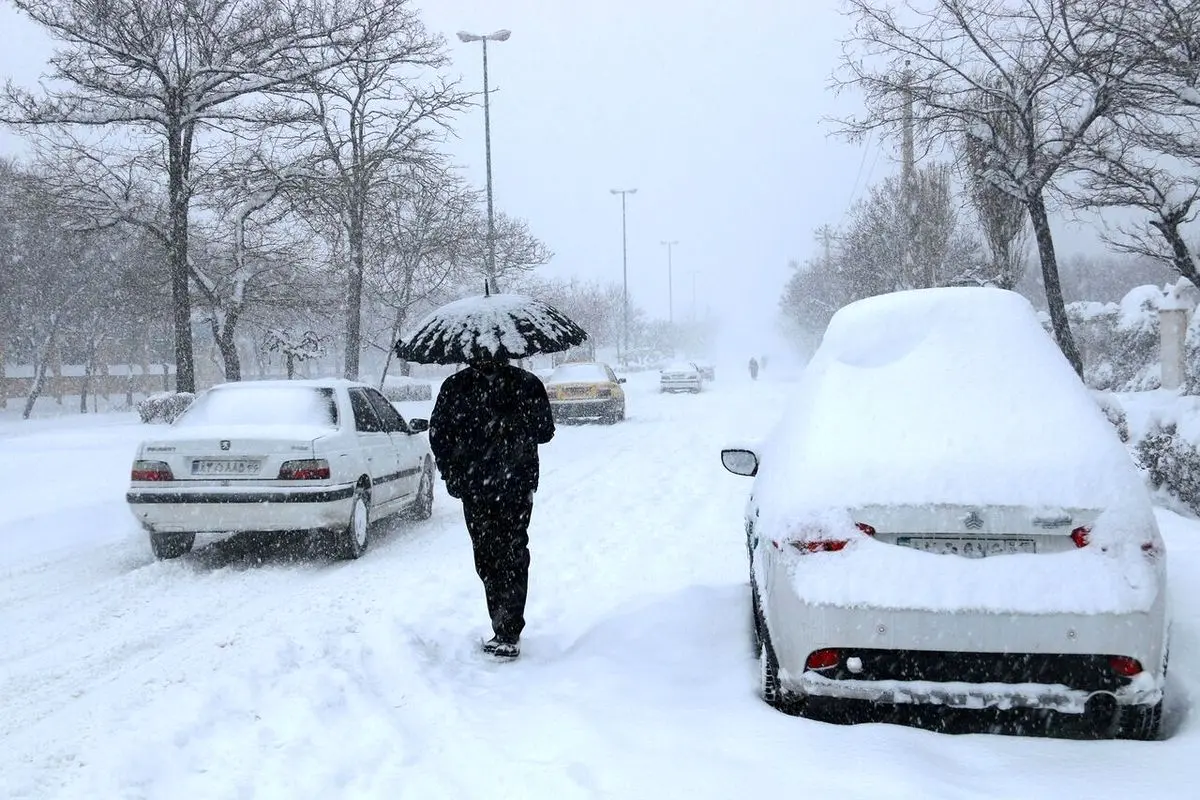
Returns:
point(418, 425)
point(740, 462)
point(620, 380)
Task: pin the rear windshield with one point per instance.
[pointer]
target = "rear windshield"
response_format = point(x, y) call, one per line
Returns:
point(267, 405)
point(579, 373)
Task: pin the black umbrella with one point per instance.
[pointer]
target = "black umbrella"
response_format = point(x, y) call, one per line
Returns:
point(500, 326)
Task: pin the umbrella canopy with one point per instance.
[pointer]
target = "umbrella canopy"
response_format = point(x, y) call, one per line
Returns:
point(500, 326)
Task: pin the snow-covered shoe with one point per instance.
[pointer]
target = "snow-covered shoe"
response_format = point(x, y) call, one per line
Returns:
point(501, 648)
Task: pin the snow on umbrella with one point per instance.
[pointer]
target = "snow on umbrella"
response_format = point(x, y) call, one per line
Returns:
point(501, 326)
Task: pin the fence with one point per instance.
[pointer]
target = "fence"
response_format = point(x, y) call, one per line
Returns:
point(69, 380)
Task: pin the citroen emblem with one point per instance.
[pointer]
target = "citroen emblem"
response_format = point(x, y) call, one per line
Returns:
point(224, 444)
point(973, 521)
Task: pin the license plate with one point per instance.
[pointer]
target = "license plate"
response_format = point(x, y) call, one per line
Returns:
point(226, 466)
point(973, 547)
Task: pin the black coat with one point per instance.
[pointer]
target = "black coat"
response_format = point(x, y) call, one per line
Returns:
point(485, 430)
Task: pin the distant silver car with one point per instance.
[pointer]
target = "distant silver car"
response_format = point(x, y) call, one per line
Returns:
point(281, 456)
point(681, 376)
point(945, 518)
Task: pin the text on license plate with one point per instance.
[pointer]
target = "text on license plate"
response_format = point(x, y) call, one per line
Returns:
point(226, 466)
point(973, 547)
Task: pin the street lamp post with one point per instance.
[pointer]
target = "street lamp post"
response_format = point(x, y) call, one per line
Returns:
point(670, 283)
point(498, 36)
point(624, 273)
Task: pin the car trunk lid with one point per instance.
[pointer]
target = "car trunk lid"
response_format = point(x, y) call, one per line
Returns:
point(978, 531)
point(230, 454)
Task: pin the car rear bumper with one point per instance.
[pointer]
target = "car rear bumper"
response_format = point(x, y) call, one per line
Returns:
point(966, 659)
point(679, 385)
point(591, 407)
point(235, 509)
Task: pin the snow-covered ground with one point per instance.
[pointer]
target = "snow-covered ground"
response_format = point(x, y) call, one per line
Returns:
point(250, 669)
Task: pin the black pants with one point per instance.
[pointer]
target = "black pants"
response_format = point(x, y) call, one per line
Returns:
point(499, 529)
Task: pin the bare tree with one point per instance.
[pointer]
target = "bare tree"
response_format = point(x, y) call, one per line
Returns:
point(383, 108)
point(249, 259)
point(1149, 157)
point(170, 70)
point(421, 228)
point(1026, 79)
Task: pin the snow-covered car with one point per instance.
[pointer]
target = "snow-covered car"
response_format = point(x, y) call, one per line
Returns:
point(586, 390)
point(707, 371)
point(680, 376)
point(944, 516)
point(310, 455)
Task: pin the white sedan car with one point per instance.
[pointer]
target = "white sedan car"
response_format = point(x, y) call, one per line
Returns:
point(945, 518)
point(326, 455)
point(681, 376)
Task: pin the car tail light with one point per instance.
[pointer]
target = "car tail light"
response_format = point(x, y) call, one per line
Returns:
point(823, 659)
point(151, 471)
point(309, 469)
point(820, 545)
point(829, 545)
point(1081, 536)
point(1125, 666)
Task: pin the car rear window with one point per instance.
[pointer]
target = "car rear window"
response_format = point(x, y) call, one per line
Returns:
point(267, 405)
point(579, 373)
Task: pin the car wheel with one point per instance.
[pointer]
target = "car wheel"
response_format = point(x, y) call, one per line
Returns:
point(358, 530)
point(422, 507)
point(756, 625)
point(171, 545)
point(1140, 722)
point(768, 664)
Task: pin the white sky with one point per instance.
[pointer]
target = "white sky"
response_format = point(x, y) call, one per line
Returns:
point(712, 110)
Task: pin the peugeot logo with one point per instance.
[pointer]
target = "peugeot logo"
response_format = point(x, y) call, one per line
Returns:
point(973, 521)
point(224, 444)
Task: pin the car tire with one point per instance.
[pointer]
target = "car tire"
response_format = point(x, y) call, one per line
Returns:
point(422, 507)
point(171, 545)
point(354, 537)
point(772, 692)
point(756, 624)
point(1143, 723)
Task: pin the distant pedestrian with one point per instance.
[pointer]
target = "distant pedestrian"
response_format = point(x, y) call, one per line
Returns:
point(485, 430)
point(753, 369)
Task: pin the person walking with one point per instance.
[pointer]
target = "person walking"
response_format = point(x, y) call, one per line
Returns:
point(753, 369)
point(485, 430)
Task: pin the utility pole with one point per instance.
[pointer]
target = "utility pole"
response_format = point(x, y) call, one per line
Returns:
point(670, 284)
point(908, 183)
point(825, 234)
point(624, 276)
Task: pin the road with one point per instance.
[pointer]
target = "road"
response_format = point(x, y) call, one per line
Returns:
point(255, 668)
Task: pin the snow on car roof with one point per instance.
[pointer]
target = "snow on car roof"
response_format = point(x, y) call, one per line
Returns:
point(578, 372)
point(680, 366)
point(273, 404)
point(952, 395)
